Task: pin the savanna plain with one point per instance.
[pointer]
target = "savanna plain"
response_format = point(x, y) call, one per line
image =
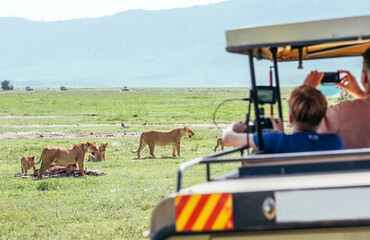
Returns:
point(119, 204)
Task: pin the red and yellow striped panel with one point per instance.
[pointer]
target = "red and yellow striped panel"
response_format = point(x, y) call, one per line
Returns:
point(208, 212)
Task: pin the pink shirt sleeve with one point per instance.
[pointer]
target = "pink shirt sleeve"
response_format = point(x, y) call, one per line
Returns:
point(330, 123)
point(350, 120)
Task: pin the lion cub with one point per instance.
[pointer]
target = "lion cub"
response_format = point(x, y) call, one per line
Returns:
point(162, 138)
point(28, 162)
point(220, 143)
point(101, 153)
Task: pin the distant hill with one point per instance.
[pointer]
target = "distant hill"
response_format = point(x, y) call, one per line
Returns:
point(176, 47)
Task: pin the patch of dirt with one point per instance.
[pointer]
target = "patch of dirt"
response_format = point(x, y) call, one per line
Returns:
point(60, 125)
point(10, 117)
point(39, 134)
point(44, 134)
point(114, 124)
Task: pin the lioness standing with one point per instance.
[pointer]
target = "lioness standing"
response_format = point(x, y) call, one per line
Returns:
point(26, 163)
point(66, 156)
point(162, 138)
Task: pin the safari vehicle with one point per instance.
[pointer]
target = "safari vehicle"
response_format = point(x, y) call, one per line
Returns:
point(308, 195)
point(28, 88)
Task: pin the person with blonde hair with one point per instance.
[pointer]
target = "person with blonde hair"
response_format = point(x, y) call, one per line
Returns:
point(349, 119)
point(307, 107)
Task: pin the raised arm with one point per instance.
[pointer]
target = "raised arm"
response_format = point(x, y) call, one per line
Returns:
point(237, 139)
point(349, 83)
point(314, 79)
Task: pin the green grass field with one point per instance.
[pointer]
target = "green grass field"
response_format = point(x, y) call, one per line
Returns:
point(118, 205)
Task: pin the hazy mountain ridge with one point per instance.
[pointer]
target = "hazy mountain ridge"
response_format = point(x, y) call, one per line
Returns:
point(176, 47)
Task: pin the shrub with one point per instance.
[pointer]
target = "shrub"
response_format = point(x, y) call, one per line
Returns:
point(5, 85)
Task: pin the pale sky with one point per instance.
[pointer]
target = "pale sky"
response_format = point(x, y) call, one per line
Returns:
point(52, 10)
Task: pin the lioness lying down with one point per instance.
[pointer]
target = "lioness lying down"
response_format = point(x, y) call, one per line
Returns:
point(28, 162)
point(66, 156)
point(162, 138)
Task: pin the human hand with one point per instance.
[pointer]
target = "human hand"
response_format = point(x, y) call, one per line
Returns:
point(349, 83)
point(239, 127)
point(277, 124)
point(313, 79)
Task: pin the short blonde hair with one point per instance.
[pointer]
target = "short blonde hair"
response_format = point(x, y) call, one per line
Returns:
point(307, 106)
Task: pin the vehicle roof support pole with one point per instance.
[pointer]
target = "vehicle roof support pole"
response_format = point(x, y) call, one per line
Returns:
point(179, 180)
point(274, 51)
point(208, 172)
point(254, 98)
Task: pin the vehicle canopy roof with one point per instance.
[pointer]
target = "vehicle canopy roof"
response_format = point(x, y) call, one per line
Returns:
point(316, 39)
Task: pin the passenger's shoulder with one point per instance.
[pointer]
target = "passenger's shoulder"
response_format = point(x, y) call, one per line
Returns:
point(274, 133)
point(273, 136)
point(350, 103)
point(330, 135)
point(334, 139)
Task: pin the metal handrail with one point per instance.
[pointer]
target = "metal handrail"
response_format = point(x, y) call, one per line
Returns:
point(200, 160)
point(275, 159)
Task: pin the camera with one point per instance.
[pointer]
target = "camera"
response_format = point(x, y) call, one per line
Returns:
point(330, 78)
point(265, 123)
point(266, 94)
